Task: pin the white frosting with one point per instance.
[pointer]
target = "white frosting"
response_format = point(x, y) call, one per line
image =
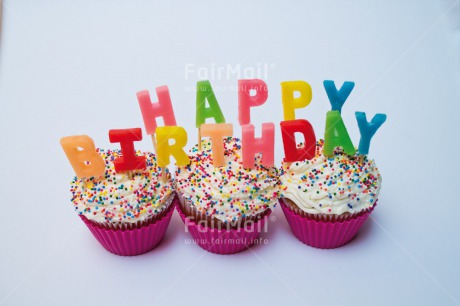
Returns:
point(122, 197)
point(331, 185)
point(227, 192)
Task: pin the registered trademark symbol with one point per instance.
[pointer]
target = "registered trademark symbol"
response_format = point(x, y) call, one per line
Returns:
point(273, 218)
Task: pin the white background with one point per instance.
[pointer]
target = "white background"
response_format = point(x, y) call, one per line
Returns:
point(73, 67)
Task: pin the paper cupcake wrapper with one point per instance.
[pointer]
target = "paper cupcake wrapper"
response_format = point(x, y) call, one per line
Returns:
point(324, 234)
point(223, 241)
point(131, 242)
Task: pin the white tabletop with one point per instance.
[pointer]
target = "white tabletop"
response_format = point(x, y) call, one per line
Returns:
point(74, 67)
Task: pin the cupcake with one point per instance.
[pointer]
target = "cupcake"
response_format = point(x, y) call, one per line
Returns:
point(128, 212)
point(326, 200)
point(225, 208)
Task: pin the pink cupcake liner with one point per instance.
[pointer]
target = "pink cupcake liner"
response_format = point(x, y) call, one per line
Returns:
point(324, 234)
point(131, 242)
point(223, 241)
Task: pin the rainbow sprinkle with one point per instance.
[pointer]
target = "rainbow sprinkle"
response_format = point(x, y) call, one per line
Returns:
point(122, 197)
point(229, 192)
point(331, 185)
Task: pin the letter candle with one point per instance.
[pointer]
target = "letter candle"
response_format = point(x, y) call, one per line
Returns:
point(338, 97)
point(288, 130)
point(246, 100)
point(249, 144)
point(217, 131)
point(368, 129)
point(151, 111)
point(82, 155)
point(291, 103)
point(128, 161)
point(336, 135)
point(165, 150)
point(205, 93)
